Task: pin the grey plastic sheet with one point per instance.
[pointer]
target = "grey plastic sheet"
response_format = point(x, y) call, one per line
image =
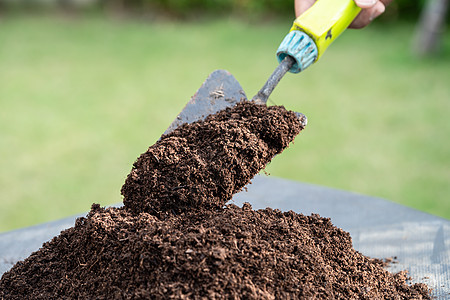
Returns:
point(379, 228)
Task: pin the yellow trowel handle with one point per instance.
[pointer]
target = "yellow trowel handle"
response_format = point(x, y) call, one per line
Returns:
point(326, 20)
point(310, 35)
point(315, 30)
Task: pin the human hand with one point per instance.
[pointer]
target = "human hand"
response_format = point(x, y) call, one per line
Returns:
point(370, 10)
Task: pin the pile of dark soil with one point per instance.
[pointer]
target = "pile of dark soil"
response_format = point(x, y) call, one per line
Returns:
point(235, 253)
point(174, 238)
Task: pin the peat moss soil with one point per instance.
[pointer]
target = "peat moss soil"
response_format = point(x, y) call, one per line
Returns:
point(175, 237)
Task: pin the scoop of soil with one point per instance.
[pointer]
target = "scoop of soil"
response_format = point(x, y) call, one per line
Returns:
point(174, 238)
point(203, 164)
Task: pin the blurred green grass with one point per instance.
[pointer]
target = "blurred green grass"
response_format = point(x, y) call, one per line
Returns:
point(81, 98)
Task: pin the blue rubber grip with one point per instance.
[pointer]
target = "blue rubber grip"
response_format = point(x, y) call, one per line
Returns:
point(299, 46)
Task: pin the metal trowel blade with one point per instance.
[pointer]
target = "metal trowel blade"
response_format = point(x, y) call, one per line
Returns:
point(219, 91)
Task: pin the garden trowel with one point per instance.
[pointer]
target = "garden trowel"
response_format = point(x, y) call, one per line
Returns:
point(307, 40)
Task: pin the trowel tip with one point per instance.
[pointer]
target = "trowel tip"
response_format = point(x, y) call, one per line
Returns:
point(302, 118)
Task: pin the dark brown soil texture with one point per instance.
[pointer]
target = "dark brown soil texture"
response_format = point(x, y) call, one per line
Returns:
point(203, 164)
point(233, 253)
point(175, 238)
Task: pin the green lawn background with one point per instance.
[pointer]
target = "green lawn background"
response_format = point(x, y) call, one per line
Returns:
point(81, 98)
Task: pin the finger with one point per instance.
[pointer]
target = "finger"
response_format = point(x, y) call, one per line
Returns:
point(367, 15)
point(302, 5)
point(366, 3)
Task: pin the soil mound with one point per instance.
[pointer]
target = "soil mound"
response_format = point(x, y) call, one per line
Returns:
point(174, 238)
point(234, 253)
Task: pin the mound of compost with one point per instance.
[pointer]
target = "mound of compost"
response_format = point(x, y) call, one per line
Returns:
point(233, 253)
point(176, 238)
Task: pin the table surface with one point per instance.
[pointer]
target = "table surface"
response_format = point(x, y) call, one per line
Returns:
point(379, 228)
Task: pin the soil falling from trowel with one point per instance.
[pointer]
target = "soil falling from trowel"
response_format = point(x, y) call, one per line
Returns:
point(175, 239)
point(202, 165)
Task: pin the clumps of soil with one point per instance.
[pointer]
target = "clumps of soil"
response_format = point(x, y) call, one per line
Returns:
point(174, 238)
point(233, 253)
point(203, 164)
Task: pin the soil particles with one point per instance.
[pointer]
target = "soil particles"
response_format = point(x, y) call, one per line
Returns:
point(175, 237)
